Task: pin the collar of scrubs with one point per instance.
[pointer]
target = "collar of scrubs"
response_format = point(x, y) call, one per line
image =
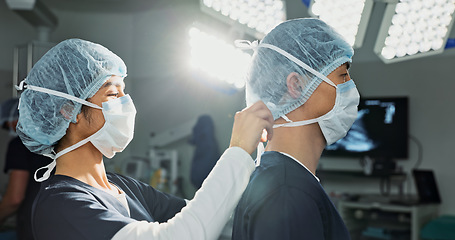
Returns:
point(293, 158)
point(121, 197)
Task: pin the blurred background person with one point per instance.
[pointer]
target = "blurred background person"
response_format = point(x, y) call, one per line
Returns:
point(20, 164)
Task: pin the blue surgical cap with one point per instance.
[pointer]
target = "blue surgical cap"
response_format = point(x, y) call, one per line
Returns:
point(8, 110)
point(310, 40)
point(74, 66)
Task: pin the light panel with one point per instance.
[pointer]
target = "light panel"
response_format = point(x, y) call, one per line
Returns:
point(348, 17)
point(257, 17)
point(217, 58)
point(414, 28)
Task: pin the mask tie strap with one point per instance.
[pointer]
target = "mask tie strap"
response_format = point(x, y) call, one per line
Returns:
point(286, 118)
point(71, 148)
point(245, 44)
point(296, 124)
point(52, 165)
point(298, 62)
point(56, 93)
point(260, 151)
point(46, 174)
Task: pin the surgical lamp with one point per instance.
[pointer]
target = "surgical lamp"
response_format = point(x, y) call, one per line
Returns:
point(217, 58)
point(414, 28)
point(255, 17)
point(349, 17)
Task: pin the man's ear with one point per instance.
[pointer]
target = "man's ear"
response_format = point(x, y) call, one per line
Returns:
point(294, 85)
point(67, 110)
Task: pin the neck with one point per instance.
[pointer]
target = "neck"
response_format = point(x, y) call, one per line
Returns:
point(304, 143)
point(85, 164)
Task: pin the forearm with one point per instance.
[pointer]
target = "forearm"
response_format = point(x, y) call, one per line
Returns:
point(15, 193)
point(7, 209)
point(205, 216)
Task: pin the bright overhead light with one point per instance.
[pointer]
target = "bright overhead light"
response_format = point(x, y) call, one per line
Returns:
point(217, 58)
point(414, 28)
point(347, 17)
point(257, 17)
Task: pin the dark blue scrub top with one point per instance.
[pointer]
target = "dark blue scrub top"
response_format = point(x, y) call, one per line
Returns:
point(67, 208)
point(285, 201)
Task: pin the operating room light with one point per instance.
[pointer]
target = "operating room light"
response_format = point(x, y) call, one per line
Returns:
point(348, 17)
point(414, 28)
point(258, 15)
point(217, 58)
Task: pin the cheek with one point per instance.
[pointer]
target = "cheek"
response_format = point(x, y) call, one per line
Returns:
point(95, 121)
point(325, 96)
point(98, 119)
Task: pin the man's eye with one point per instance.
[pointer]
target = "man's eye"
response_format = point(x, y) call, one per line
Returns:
point(112, 94)
point(344, 75)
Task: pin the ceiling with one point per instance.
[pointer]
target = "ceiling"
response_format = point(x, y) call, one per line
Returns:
point(295, 9)
point(115, 6)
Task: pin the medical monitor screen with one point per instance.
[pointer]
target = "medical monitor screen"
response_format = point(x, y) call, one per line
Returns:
point(380, 131)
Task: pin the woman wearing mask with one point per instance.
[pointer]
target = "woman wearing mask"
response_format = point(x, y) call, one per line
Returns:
point(74, 109)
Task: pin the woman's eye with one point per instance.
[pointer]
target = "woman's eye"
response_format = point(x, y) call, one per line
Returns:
point(112, 94)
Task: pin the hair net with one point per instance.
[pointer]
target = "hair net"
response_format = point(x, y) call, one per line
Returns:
point(74, 66)
point(310, 40)
point(8, 110)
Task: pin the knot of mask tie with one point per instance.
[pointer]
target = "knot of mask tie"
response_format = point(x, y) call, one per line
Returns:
point(21, 86)
point(245, 44)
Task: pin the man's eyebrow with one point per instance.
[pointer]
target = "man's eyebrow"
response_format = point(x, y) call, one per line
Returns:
point(342, 69)
point(115, 83)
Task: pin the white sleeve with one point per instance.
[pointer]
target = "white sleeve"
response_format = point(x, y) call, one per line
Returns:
point(205, 216)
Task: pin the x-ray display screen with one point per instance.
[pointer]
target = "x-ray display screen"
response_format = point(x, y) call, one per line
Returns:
point(381, 130)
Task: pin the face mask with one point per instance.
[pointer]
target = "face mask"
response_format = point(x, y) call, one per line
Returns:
point(116, 133)
point(118, 129)
point(336, 123)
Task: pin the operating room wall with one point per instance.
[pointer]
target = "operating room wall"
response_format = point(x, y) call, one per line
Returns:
point(166, 91)
point(12, 33)
point(153, 43)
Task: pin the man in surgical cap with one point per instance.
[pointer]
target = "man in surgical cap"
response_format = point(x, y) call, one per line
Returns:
point(300, 71)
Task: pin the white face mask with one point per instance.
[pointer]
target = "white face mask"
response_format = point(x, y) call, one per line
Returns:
point(116, 133)
point(336, 123)
point(118, 130)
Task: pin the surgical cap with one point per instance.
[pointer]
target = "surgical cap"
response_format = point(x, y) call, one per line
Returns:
point(74, 66)
point(8, 111)
point(310, 40)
